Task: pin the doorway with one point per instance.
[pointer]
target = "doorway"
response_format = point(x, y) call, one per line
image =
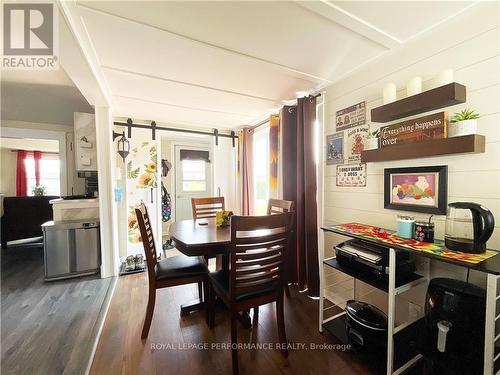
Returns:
point(193, 177)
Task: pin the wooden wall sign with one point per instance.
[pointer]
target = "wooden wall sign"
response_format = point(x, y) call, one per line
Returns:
point(415, 130)
point(351, 175)
point(351, 117)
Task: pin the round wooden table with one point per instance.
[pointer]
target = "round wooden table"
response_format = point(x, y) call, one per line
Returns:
point(192, 238)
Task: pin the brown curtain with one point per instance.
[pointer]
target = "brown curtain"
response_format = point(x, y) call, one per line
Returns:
point(246, 170)
point(274, 144)
point(299, 185)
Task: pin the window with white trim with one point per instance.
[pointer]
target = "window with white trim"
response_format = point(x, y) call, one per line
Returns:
point(50, 176)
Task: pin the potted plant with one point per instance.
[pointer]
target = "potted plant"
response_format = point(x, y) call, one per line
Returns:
point(372, 140)
point(39, 191)
point(463, 123)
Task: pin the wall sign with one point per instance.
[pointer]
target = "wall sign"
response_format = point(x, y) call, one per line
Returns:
point(335, 148)
point(351, 175)
point(415, 130)
point(355, 143)
point(351, 117)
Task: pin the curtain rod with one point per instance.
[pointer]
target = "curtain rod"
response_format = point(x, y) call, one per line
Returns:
point(43, 152)
point(153, 127)
point(266, 120)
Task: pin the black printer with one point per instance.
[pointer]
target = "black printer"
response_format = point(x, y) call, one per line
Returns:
point(372, 259)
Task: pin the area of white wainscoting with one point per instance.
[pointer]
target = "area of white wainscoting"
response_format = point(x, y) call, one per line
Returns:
point(471, 47)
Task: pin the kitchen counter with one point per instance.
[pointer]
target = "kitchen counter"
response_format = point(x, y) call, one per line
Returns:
point(75, 209)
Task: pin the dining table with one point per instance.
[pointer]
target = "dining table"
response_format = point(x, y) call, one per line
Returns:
point(202, 237)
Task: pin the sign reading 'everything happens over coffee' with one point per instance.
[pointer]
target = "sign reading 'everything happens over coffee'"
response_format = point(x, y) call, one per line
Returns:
point(415, 130)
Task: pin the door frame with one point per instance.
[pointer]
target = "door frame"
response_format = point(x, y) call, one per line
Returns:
point(176, 144)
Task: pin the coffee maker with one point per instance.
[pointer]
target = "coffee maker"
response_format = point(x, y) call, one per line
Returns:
point(468, 227)
point(455, 319)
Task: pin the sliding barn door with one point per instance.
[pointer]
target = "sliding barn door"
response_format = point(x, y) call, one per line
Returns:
point(142, 185)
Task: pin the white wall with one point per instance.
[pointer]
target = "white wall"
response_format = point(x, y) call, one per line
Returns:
point(471, 46)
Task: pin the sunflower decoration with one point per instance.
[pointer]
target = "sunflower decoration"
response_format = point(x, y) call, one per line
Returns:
point(132, 222)
point(151, 167)
point(135, 238)
point(147, 180)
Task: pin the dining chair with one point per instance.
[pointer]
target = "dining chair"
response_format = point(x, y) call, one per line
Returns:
point(278, 206)
point(206, 207)
point(257, 253)
point(171, 271)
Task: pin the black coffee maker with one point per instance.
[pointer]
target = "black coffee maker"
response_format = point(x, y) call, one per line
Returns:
point(455, 319)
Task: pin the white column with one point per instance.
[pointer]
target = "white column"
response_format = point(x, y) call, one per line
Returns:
point(106, 166)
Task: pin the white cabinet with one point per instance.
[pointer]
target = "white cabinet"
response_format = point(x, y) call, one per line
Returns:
point(85, 142)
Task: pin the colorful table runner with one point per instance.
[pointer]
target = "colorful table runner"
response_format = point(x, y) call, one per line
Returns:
point(437, 249)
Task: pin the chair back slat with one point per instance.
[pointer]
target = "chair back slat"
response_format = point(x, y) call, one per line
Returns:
point(206, 207)
point(278, 206)
point(258, 249)
point(147, 237)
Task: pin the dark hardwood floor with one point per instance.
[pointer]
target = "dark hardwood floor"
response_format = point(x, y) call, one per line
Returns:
point(47, 328)
point(166, 350)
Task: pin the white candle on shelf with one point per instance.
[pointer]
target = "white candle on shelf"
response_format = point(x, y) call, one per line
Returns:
point(445, 77)
point(389, 93)
point(414, 86)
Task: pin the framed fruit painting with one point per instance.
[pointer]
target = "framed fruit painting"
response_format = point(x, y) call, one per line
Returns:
point(418, 189)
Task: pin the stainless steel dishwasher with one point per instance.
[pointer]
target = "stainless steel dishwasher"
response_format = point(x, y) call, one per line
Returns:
point(71, 248)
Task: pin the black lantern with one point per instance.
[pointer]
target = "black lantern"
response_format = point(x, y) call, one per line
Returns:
point(123, 144)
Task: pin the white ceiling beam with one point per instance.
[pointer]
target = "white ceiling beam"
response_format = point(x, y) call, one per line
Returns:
point(350, 21)
point(294, 72)
point(80, 59)
point(181, 106)
point(272, 100)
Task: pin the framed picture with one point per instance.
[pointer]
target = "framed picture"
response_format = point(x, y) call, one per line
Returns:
point(334, 148)
point(418, 189)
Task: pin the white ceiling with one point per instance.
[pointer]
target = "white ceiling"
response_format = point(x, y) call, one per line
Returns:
point(43, 77)
point(229, 64)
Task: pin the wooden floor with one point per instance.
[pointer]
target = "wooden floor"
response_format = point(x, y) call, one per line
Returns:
point(121, 351)
point(47, 328)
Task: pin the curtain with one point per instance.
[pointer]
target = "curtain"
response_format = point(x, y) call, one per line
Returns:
point(274, 143)
point(37, 155)
point(21, 176)
point(299, 185)
point(245, 166)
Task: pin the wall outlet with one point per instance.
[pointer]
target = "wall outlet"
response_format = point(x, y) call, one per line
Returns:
point(414, 311)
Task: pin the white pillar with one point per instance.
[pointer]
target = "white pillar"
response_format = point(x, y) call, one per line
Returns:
point(106, 166)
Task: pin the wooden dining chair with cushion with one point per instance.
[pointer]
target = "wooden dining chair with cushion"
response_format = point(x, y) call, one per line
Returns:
point(206, 207)
point(257, 252)
point(172, 271)
point(278, 206)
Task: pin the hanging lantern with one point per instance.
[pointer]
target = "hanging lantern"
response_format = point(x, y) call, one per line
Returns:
point(123, 144)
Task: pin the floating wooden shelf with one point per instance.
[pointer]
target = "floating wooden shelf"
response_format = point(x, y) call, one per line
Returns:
point(440, 97)
point(466, 144)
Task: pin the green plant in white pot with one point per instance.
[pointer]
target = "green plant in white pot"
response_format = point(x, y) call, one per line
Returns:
point(371, 142)
point(463, 123)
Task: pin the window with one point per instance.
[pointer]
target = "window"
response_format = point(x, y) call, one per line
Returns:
point(194, 176)
point(261, 170)
point(49, 173)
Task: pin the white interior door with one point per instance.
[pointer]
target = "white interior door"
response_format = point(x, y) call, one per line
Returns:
point(193, 179)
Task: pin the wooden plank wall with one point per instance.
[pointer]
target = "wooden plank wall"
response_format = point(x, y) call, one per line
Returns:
point(470, 45)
